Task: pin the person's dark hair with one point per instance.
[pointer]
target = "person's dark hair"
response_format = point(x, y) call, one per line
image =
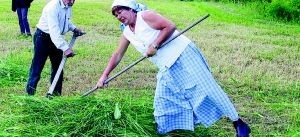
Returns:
point(121, 7)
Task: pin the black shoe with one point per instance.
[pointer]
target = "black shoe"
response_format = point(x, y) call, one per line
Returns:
point(242, 129)
point(56, 93)
point(30, 92)
point(22, 35)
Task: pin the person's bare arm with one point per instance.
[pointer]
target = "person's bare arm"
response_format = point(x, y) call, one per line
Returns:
point(114, 60)
point(158, 22)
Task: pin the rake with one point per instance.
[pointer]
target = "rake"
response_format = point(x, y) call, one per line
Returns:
point(142, 58)
point(61, 66)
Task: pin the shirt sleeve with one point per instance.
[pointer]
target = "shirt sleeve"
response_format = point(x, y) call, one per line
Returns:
point(54, 30)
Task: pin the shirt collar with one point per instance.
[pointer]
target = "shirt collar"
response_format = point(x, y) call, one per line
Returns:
point(62, 5)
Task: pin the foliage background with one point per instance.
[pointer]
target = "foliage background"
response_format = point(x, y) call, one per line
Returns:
point(285, 10)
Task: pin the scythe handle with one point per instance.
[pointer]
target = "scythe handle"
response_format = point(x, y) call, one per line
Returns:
point(142, 58)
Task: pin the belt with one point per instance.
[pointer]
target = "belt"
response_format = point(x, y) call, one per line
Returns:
point(41, 33)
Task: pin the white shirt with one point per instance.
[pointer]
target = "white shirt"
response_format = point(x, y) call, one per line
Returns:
point(144, 35)
point(55, 20)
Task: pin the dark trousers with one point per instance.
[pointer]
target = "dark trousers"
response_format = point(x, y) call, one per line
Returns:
point(44, 47)
point(23, 22)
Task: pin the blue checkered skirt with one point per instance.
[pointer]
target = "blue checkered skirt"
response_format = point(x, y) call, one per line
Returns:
point(187, 95)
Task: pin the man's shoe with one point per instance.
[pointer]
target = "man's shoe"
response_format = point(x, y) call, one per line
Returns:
point(242, 129)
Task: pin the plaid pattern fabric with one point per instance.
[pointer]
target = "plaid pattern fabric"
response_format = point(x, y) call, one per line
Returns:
point(187, 94)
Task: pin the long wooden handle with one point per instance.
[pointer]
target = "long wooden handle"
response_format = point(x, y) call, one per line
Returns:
point(61, 65)
point(142, 58)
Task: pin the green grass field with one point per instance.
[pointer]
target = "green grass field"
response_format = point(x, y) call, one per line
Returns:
point(255, 59)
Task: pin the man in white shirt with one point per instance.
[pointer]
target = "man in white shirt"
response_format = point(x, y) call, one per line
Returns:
point(49, 41)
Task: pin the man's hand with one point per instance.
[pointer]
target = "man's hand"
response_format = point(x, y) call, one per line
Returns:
point(69, 53)
point(78, 32)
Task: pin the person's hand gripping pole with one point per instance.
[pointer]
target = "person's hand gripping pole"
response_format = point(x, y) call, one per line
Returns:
point(63, 61)
point(144, 57)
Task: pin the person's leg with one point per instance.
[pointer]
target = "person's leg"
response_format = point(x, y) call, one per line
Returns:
point(207, 85)
point(55, 58)
point(38, 62)
point(221, 99)
point(25, 21)
point(171, 110)
point(22, 28)
point(224, 103)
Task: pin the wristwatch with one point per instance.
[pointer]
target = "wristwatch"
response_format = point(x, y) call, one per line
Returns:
point(154, 46)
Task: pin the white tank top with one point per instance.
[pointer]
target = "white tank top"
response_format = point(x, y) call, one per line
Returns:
point(144, 35)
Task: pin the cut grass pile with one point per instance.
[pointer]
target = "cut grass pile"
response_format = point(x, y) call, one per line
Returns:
point(78, 116)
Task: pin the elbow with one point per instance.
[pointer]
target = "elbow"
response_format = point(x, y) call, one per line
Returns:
point(172, 27)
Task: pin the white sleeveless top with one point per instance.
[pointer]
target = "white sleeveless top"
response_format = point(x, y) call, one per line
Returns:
point(144, 35)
